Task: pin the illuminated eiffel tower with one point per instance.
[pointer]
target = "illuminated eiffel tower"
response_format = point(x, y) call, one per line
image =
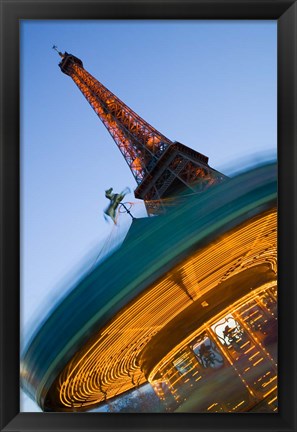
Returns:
point(161, 168)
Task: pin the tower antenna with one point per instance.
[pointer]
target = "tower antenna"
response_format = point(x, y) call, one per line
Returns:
point(54, 47)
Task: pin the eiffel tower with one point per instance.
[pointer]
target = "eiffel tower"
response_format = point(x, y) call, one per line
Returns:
point(162, 168)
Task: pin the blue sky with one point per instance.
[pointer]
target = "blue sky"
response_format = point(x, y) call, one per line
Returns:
point(208, 84)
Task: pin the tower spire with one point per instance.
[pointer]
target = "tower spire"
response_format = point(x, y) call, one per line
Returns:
point(159, 166)
point(54, 47)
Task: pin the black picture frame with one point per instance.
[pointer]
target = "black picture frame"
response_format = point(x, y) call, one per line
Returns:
point(285, 12)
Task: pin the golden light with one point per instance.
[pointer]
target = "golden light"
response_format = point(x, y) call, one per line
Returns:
point(115, 360)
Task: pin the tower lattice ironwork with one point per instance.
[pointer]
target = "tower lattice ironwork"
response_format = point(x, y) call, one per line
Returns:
point(160, 167)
